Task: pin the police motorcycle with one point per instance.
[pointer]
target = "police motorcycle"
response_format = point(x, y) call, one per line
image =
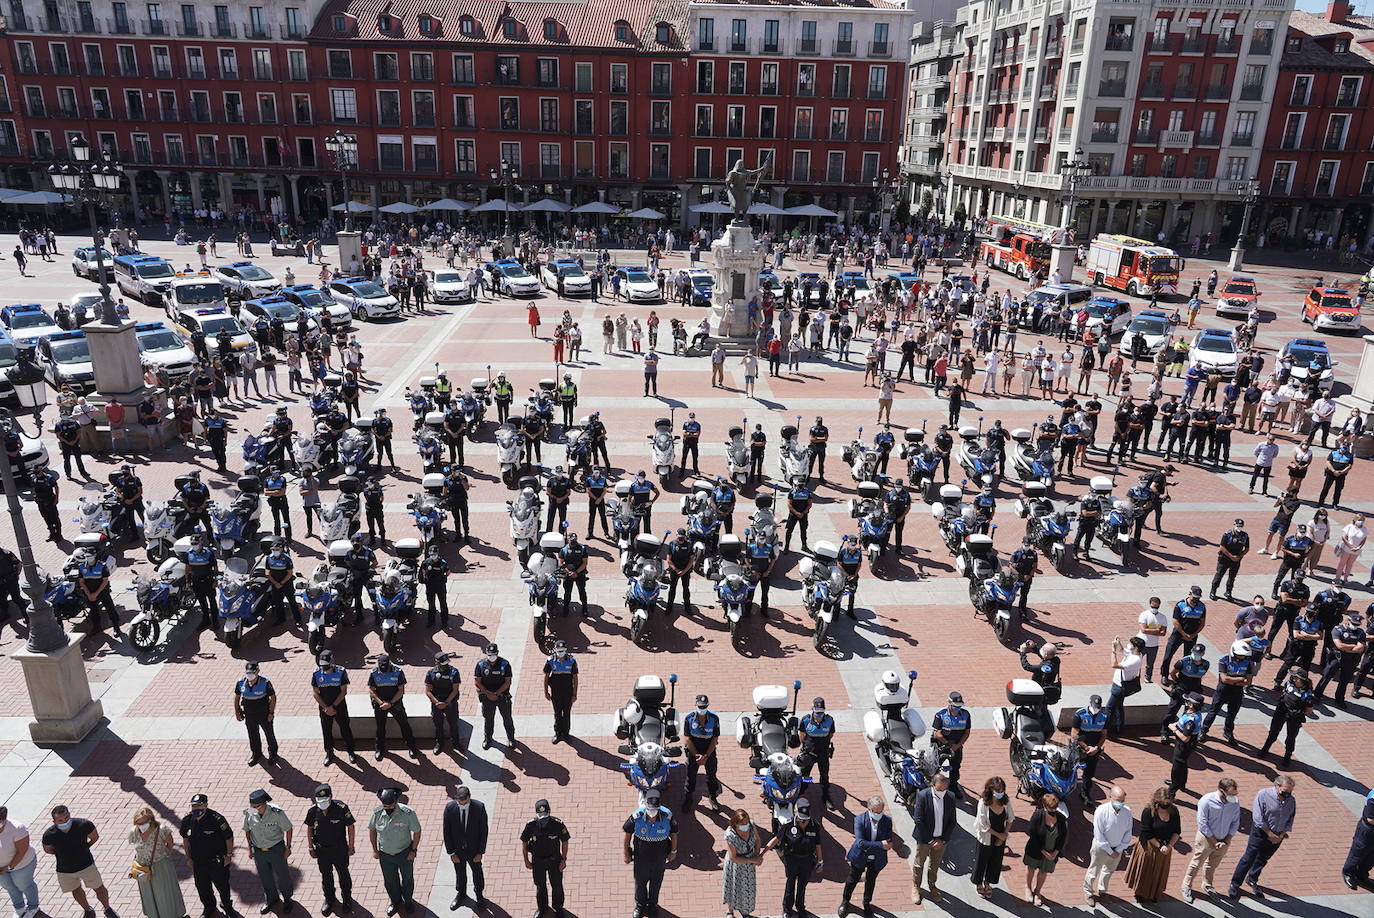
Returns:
point(1047, 527)
point(334, 571)
point(1029, 461)
point(624, 523)
point(823, 587)
point(524, 519)
point(792, 456)
point(995, 597)
point(319, 606)
point(161, 522)
point(922, 462)
point(977, 559)
point(235, 526)
point(355, 447)
point(647, 728)
point(420, 403)
point(474, 407)
point(543, 583)
point(861, 457)
point(240, 598)
point(540, 403)
point(893, 727)
point(429, 442)
point(953, 517)
point(509, 453)
point(340, 520)
point(663, 449)
point(393, 598)
point(257, 452)
point(737, 454)
point(645, 582)
point(99, 515)
point(61, 592)
point(768, 734)
point(734, 581)
point(703, 526)
point(875, 527)
point(577, 449)
point(162, 597)
point(978, 462)
point(1039, 765)
point(308, 450)
point(763, 519)
point(427, 512)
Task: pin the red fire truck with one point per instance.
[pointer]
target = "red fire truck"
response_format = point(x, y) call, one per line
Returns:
point(1018, 247)
point(1134, 265)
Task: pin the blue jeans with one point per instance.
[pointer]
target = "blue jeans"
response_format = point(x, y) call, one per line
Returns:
point(21, 887)
point(1116, 709)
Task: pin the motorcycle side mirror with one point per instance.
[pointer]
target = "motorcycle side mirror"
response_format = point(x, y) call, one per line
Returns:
point(672, 678)
point(911, 674)
point(796, 685)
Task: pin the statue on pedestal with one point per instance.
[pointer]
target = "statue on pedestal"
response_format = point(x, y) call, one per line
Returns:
point(740, 185)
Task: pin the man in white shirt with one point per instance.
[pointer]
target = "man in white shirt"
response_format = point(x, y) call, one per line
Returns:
point(1112, 823)
point(1154, 626)
point(17, 864)
point(1323, 410)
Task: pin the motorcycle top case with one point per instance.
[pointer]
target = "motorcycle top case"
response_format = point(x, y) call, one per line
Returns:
point(1025, 692)
point(789, 433)
point(434, 420)
point(647, 545)
point(1101, 484)
point(479, 385)
point(332, 380)
point(735, 432)
point(550, 543)
point(339, 549)
point(650, 691)
point(771, 699)
point(826, 551)
point(951, 494)
point(1033, 490)
point(428, 382)
point(433, 482)
point(1021, 435)
point(968, 432)
point(979, 545)
point(363, 424)
point(548, 385)
point(250, 484)
point(409, 549)
point(90, 540)
point(350, 484)
point(729, 547)
point(870, 490)
point(914, 436)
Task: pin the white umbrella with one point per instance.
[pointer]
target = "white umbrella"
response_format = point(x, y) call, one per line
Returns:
point(646, 213)
point(494, 204)
point(353, 207)
point(810, 210)
point(39, 197)
point(714, 207)
point(596, 207)
point(447, 204)
point(548, 205)
point(765, 210)
point(400, 207)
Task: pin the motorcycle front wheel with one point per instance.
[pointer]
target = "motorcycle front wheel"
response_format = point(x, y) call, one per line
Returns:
point(540, 631)
point(636, 627)
point(143, 635)
point(819, 634)
point(317, 642)
point(390, 642)
point(157, 552)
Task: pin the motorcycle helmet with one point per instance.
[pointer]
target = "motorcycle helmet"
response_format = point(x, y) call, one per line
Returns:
point(782, 768)
point(501, 376)
point(1025, 541)
point(891, 681)
point(357, 539)
point(1240, 649)
point(1006, 579)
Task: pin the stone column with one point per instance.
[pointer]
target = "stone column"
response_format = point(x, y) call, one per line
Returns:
point(849, 201)
point(197, 198)
point(408, 192)
point(258, 180)
point(165, 178)
point(329, 199)
point(294, 181)
point(226, 190)
point(1361, 396)
point(687, 220)
point(63, 710)
point(133, 193)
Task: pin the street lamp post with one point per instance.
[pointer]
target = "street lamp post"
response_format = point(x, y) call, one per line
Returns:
point(1249, 196)
point(1074, 172)
point(507, 174)
point(88, 182)
point(344, 148)
point(885, 187)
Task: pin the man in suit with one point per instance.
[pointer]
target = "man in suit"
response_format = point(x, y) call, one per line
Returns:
point(868, 855)
point(465, 840)
point(935, 821)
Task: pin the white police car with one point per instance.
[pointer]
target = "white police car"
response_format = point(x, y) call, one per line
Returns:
point(576, 281)
point(193, 290)
point(83, 262)
point(246, 280)
point(863, 290)
point(275, 307)
point(449, 285)
point(508, 276)
point(637, 285)
point(365, 299)
point(27, 323)
point(210, 322)
point(1309, 356)
point(1151, 326)
point(313, 301)
point(769, 283)
point(66, 359)
point(1214, 349)
point(91, 300)
point(165, 348)
point(1108, 315)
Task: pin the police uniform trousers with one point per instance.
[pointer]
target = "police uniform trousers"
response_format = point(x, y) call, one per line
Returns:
point(1090, 762)
point(797, 873)
point(695, 761)
point(1297, 653)
point(1284, 615)
point(384, 446)
point(1228, 569)
point(489, 709)
point(548, 883)
point(281, 515)
point(102, 601)
point(255, 719)
point(562, 702)
point(1285, 720)
point(816, 459)
point(333, 859)
point(1340, 668)
point(1178, 774)
point(594, 510)
point(792, 523)
point(445, 716)
point(327, 722)
point(1176, 640)
point(273, 873)
point(398, 876)
point(1361, 857)
point(685, 579)
point(755, 464)
point(649, 866)
point(204, 589)
point(458, 510)
point(557, 509)
point(52, 517)
point(376, 523)
point(398, 712)
point(819, 757)
point(580, 581)
point(281, 599)
point(212, 878)
point(436, 594)
point(689, 445)
point(1228, 697)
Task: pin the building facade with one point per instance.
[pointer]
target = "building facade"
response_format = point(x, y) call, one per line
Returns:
point(935, 49)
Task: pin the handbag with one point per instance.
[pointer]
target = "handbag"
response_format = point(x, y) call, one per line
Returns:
point(139, 871)
point(1130, 687)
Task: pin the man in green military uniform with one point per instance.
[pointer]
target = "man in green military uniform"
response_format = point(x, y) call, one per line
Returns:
point(394, 831)
point(268, 830)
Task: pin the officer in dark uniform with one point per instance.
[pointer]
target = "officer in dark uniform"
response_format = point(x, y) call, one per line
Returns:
point(1293, 596)
point(883, 442)
point(382, 429)
point(282, 427)
point(820, 435)
point(643, 494)
point(1187, 732)
point(650, 843)
point(1293, 554)
point(441, 688)
point(532, 429)
point(984, 509)
point(679, 570)
point(45, 493)
point(596, 431)
point(545, 843)
point(572, 557)
point(701, 731)
point(329, 686)
point(1200, 433)
point(434, 573)
point(596, 484)
point(762, 558)
point(1045, 673)
point(758, 447)
point(387, 686)
point(799, 845)
point(329, 834)
point(944, 446)
point(130, 489)
point(691, 439)
point(567, 393)
point(1089, 516)
point(898, 501)
point(255, 703)
point(1307, 635)
point(1142, 426)
point(1338, 464)
point(1070, 435)
point(950, 727)
point(1234, 545)
point(374, 508)
point(14, 448)
point(455, 432)
point(1355, 871)
point(195, 497)
point(94, 585)
point(1166, 417)
point(723, 499)
point(798, 506)
point(560, 688)
point(850, 558)
point(362, 562)
point(1189, 618)
point(1350, 642)
point(209, 843)
point(1296, 699)
point(1090, 734)
point(1177, 432)
point(281, 574)
point(202, 566)
point(1024, 561)
point(456, 486)
point(69, 441)
point(1224, 423)
point(274, 489)
point(493, 675)
point(818, 745)
point(1235, 672)
point(559, 489)
point(1330, 605)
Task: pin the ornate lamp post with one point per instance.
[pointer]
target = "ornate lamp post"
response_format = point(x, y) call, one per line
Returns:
point(88, 182)
point(1250, 195)
point(1074, 171)
point(344, 148)
point(507, 174)
point(886, 187)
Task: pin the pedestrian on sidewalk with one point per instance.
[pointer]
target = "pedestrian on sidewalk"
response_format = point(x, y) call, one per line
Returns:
point(158, 888)
point(1111, 837)
point(69, 840)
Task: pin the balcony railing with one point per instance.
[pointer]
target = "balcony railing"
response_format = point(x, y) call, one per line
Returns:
point(771, 47)
point(1183, 91)
point(1278, 186)
point(293, 32)
point(1252, 92)
point(88, 25)
point(1218, 92)
point(1152, 91)
point(1112, 88)
point(1290, 142)
point(189, 29)
point(225, 30)
point(1104, 135)
point(1147, 136)
point(879, 48)
point(1193, 45)
point(807, 45)
point(1119, 42)
point(844, 46)
point(154, 27)
point(1243, 140)
point(1333, 143)
point(1261, 47)
point(1227, 45)
point(256, 30)
point(1209, 139)
point(1053, 47)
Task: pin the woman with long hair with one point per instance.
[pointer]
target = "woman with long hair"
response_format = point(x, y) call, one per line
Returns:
point(154, 870)
point(993, 826)
point(1148, 870)
point(1046, 838)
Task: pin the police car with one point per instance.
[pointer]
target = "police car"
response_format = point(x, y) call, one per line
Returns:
point(1309, 356)
point(1108, 315)
point(808, 287)
point(27, 323)
point(449, 285)
point(246, 280)
point(83, 262)
point(274, 307)
point(66, 358)
point(210, 322)
point(703, 286)
point(905, 278)
point(365, 299)
point(863, 290)
point(1151, 326)
point(769, 283)
point(1214, 349)
point(194, 290)
point(165, 349)
point(638, 285)
point(90, 300)
point(508, 276)
point(144, 277)
point(576, 281)
point(313, 301)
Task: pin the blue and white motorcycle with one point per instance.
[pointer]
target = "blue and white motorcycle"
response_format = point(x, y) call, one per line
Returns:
point(163, 597)
point(781, 784)
point(543, 582)
point(996, 597)
point(645, 584)
point(1039, 764)
point(240, 595)
point(893, 727)
point(319, 605)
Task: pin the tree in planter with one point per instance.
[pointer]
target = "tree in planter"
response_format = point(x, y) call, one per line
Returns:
point(960, 214)
point(927, 202)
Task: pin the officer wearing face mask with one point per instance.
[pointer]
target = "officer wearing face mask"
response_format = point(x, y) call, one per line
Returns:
point(650, 843)
point(573, 558)
point(560, 688)
point(643, 493)
point(1046, 672)
point(441, 688)
point(493, 674)
point(1187, 732)
point(799, 844)
point(329, 836)
point(374, 509)
point(1235, 672)
point(798, 506)
point(1295, 704)
point(201, 568)
point(544, 841)
point(329, 686)
point(281, 592)
point(820, 436)
point(818, 734)
point(691, 438)
point(1090, 735)
point(762, 558)
point(898, 506)
point(701, 730)
point(951, 728)
point(255, 704)
point(208, 842)
point(387, 686)
point(1184, 679)
point(679, 570)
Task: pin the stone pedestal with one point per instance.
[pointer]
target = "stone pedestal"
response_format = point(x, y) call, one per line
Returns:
point(735, 264)
point(1237, 262)
point(1361, 396)
point(1061, 259)
point(116, 361)
point(63, 709)
point(350, 247)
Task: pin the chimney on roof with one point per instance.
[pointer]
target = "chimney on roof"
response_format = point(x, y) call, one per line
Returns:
point(1338, 11)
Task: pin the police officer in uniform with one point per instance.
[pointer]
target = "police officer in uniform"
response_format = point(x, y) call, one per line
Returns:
point(951, 728)
point(441, 688)
point(799, 845)
point(1293, 596)
point(701, 730)
point(1235, 672)
point(691, 439)
point(944, 446)
point(1045, 673)
point(502, 393)
point(1187, 732)
point(898, 502)
point(758, 447)
point(1294, 554)
point(69, 441)
point(1090, 734)
point(374, 510)
point(434, 573)
point(455, 432)
point(1089, 516)
point(1233, 547)
point(329, 686)
point(1307, 634)
point(281, 593)
point(596, 431)
point(456, 486)
point(1355, 871)
point(567, 397)
point(45, 493)
point(94, 584)
point(850, 558)
point(493, 675)
point(382, 428)
point(798, 506)
point(544, 841)
point(1338, 464)
point(883, 442)
point(679, 569)
point(387, 686)
point(1350, 642)
point(1296, 699)
point(329, 836)
point(559, 489)
point(209, 844)
point(573, 559)
point(1024, 561)
point(762, 559)
point(818, 734)
point(282, 427)
point(820, 435)
point(1189, 618)
point(130, 489)
point(643, 493)
point(255, 704)
point(195, 497)
point(650, 843)
point(560, 688)
point(274, 488)
point(595, 482)
point(532, 429)
point(202, 567)
point(723, 499)
point(362, 561)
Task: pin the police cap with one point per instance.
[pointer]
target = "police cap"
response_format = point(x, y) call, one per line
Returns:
point(541, 807)
point(199, 800)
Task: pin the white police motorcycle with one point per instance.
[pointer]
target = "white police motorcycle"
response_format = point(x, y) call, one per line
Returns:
point(645, 584)
point(737, 454)
point(793, 457)
point(648, 727)
point(524, 520)
point(862, 459)
point(509, 453)
point(161, 520)
point(663, 449)
point(823, 586)
point(543, 582)
point(163, 597)
point(340, 520)
point(893, 727)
